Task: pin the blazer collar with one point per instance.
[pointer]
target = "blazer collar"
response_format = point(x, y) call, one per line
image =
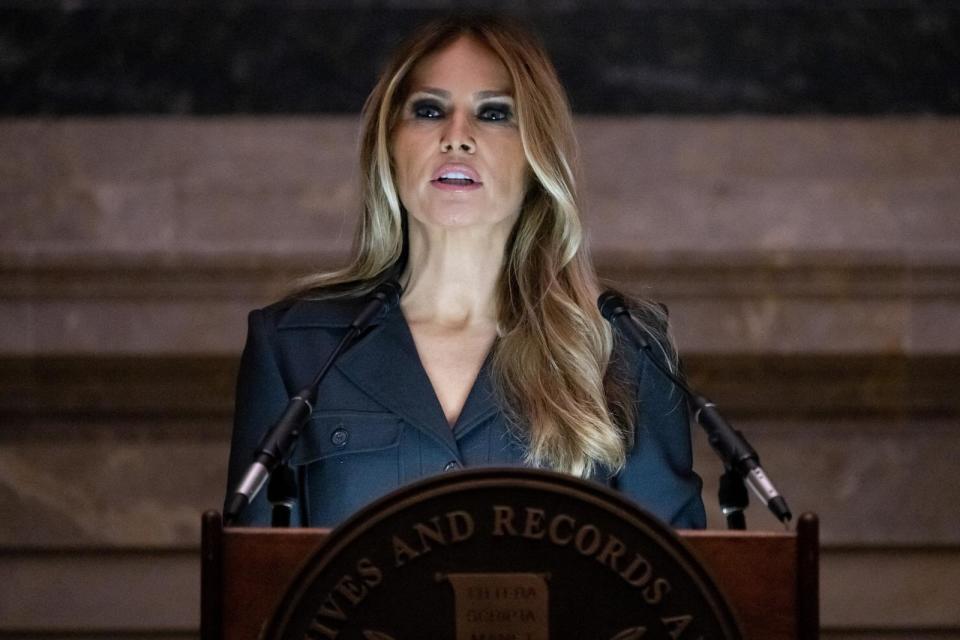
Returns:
point(332, 313)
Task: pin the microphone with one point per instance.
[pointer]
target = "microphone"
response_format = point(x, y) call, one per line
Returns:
point(732, 447)
point(278, 443)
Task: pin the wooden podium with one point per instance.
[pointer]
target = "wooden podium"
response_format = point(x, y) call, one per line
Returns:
point(770, 579)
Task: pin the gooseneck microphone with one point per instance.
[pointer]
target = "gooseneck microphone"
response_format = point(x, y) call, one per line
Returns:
point(733, 449)
point(278, 443)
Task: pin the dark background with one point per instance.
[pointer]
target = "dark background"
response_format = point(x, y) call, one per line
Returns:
point(299, 57)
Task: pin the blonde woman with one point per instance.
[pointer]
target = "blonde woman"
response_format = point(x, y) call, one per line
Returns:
point(496, 353)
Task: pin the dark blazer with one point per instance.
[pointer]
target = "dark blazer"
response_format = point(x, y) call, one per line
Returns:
point(377, 423)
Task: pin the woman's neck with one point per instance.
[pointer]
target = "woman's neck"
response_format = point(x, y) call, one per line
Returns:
point(451, 277)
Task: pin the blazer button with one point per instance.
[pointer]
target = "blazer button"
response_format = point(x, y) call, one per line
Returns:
point(450, 466)
point(339, 437)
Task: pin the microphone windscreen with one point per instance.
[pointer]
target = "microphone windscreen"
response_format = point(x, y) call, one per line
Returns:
point(611, 304)
point(389, 293)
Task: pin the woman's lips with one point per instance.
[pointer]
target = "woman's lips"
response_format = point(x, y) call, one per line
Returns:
point(456, 177)
point(455, 185)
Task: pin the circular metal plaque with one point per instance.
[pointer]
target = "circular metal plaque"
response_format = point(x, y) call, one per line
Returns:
point(502, 554)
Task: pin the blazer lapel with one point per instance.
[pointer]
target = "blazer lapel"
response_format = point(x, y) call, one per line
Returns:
point(480, 404)
point(385, 365)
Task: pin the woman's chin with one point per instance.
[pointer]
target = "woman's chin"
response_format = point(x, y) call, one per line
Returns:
point(461, 218)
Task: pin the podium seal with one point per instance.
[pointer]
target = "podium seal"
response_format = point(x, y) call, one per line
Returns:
point(502, 554)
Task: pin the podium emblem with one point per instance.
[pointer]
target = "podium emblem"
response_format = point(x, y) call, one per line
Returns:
point(502, 554)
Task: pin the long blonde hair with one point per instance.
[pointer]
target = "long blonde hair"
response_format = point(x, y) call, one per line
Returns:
point(553, 365)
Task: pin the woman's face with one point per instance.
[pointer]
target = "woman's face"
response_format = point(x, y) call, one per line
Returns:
point(456, 148)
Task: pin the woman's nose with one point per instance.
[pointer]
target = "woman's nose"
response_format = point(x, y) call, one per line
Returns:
point(458, 134)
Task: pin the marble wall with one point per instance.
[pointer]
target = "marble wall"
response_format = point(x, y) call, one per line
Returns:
point(810, 264)
point(763, 234)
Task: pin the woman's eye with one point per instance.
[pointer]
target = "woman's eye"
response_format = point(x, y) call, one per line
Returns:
point(427, 110)
point(495, 113)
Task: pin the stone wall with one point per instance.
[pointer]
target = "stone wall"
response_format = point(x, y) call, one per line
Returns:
point(811, 265)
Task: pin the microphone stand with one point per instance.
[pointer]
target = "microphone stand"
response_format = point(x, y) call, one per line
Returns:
point(733, 499)
point(282, 494)
point(740, 460)
point(278, 443)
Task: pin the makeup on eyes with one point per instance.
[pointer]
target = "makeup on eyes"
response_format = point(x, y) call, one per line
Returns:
point(426, 108)
point(433, 106)
point(505, 109)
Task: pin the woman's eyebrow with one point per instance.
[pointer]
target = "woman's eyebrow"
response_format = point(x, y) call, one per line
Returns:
point(439, 93)
point(501, 93)
point(479, 95)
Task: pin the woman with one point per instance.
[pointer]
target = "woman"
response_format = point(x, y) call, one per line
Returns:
point(496, 354)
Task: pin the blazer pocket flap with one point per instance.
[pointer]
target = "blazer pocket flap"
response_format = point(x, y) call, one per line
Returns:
point(328, 435)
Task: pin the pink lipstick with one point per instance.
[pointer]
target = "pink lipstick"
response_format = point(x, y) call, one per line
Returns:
point(456, 177)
